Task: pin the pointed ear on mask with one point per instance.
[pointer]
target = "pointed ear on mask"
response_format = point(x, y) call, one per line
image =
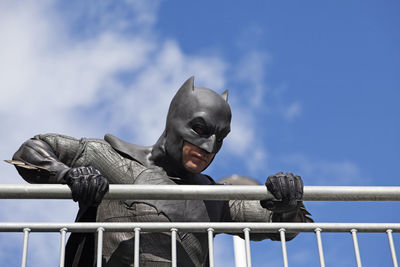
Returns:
point(225, 95)
point(187, 86)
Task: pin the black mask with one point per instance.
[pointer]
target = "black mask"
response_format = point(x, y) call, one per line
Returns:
point(196, 115)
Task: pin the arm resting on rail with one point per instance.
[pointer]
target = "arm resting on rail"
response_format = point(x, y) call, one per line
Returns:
point(50, 159)
point(252, 211)
point(46, 158)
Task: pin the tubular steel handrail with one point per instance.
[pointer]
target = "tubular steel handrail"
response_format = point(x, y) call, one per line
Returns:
point(226, 192)
point(218, 227)
point(205, 192)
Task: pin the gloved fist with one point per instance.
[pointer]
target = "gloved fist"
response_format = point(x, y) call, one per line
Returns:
point(87, 185)
point(287, 189)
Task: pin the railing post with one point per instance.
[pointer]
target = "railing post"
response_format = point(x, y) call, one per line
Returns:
point(392, 249)
point(283, 242)
point(25, 247)
point(210, 232)
point(320, 250)
point(63, 232)
point(173, 247)
point(247, 240)
point(137, 246)
point(100, 232)
point(356, 248)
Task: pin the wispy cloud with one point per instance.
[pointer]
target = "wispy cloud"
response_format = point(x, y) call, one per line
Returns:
point(147, 97)
point(250, 71)
point(292, 111)
point(323, 172)
point(98, 66)
point(88, 69)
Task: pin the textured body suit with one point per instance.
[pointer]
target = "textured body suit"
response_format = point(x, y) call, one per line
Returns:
point(48, 154)
point(198, 116)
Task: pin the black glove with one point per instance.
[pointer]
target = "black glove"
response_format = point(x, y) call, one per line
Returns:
point(287, 189)
point(87, 185)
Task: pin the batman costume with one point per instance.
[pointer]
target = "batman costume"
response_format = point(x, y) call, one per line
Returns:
point(197, 115)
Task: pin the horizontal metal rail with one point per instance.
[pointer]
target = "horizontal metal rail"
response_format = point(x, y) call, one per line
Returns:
point(205, 192)
point(201, 227)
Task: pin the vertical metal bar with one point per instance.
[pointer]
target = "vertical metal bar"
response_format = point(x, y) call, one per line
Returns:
point(239, 246)
point(211, 246)
point(247, 240)
point(320, 250)
point(356, 248)
point(62, 246)
point(392, 249)
point(137, 244)
point(25, 247)
point(284, 252)
point(173, 247)
point(100, 232)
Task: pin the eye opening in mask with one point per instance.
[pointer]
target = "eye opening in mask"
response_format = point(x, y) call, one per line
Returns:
point(201, 130)
point(200, 127)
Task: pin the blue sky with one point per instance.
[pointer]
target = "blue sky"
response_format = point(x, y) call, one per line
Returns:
point(314, 89)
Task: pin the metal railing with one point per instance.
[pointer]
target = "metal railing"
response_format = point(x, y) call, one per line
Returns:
point(311, 193)
point(206, 192)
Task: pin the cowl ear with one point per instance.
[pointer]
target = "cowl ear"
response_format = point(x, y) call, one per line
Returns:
point(225, 95)
point(188, 86)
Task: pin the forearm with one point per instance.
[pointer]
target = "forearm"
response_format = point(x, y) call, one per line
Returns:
point(38, 159)
point(251, 211)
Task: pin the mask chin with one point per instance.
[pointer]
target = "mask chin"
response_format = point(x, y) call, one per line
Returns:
point(194, 158)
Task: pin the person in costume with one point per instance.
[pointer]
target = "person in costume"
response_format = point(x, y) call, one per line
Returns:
point(198, 120)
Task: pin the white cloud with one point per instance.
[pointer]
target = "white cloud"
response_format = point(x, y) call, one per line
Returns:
point(242, 135)
point(54, 81)
point(117, 76)
point(251, 69)
point(323, 172)
point(257, 160)
point(145, 102)
point(292, 111)
point(54, 78)
point(46, 76)
point(243, 141)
